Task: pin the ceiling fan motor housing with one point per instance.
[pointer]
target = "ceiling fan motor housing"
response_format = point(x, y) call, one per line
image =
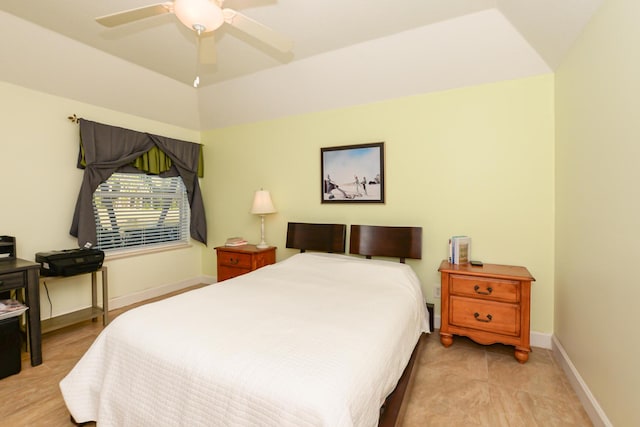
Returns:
point(199, 14)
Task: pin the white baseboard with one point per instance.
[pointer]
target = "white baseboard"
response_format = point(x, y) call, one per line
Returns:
point(123, 301)
point(589, 402)
point(539, 339)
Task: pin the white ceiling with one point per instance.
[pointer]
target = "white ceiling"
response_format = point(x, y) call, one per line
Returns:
point(345, 52)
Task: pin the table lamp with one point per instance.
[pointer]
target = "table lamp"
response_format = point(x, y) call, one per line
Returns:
point(262, 205)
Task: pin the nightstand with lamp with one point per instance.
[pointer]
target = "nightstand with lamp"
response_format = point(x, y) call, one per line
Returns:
point(234, 261)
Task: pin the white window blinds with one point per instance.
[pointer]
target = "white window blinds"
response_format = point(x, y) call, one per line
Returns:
point(139, 211)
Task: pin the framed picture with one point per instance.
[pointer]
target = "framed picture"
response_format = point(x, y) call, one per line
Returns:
point(353, 173)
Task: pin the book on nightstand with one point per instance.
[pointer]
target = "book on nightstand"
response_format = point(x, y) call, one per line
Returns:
point(235, 241)
point(459, 249)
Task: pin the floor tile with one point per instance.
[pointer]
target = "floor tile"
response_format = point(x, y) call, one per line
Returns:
point(468, 384)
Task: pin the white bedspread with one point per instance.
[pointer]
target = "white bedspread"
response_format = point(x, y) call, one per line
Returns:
point(315, 340)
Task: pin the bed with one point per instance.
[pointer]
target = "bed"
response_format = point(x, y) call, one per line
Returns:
point(319, 339)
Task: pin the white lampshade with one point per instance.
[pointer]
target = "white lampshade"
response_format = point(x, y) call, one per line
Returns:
point(206, 13)
point(262, 203)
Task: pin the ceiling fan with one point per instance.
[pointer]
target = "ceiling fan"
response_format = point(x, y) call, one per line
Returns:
point(203, 17)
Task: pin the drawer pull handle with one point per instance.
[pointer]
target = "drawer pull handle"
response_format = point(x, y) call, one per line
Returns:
point(477, 289)
point(487, 320)
point(234, 261)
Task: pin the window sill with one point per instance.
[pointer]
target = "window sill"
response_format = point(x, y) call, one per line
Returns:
point(128, 253)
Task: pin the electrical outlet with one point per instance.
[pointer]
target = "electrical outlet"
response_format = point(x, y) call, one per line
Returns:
point(436, 292)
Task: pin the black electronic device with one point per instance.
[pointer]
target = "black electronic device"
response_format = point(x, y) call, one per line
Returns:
point(7, 247)
point(476, 263)
point(69, 262)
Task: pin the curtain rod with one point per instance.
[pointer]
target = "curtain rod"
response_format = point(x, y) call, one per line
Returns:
point(74, 118)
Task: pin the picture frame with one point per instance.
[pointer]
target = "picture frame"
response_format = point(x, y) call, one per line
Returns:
point(352, 173)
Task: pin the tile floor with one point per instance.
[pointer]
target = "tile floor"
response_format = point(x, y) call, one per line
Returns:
point(469, 384)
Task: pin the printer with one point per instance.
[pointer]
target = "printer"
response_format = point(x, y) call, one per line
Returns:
point(69, 262)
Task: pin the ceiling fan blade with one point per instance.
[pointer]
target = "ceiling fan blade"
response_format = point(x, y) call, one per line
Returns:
point(132, 15)
point(207, 48)
point(257, 30)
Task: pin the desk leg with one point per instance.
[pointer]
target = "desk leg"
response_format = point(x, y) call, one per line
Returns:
point(94, 289)
point(105, 297)
point(33, 316)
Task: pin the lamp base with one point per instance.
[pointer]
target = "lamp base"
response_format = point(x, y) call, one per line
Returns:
point(262, 244)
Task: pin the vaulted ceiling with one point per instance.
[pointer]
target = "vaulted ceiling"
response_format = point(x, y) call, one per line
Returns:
point(345, 53)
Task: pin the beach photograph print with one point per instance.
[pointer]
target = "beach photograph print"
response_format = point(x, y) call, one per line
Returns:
point(353, 173)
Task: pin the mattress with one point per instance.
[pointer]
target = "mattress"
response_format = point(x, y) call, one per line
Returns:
point(314, 340)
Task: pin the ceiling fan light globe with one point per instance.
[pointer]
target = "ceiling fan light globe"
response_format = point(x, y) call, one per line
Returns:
point(205, 13)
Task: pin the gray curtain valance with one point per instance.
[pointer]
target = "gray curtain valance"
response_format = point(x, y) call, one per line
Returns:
point(107, 149)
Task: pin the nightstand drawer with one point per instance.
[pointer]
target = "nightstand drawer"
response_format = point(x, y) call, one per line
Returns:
point(12, 281)
point(486, 288)
point(237, 260)
point(225, 273)
point(234, 259)
point(487, 316)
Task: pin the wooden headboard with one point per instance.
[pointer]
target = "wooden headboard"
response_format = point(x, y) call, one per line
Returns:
point(317, 237)
point(395, 242)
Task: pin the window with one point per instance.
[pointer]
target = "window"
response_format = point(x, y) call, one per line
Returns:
point(140, 211)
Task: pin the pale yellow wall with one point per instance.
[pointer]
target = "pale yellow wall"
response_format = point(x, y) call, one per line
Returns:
point(598, 209)
point(40, 183)
point(476, 161)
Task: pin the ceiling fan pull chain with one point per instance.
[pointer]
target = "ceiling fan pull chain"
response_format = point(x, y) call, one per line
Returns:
point(199, 29)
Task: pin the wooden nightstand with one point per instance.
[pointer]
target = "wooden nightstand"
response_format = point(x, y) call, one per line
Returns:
point(489, 304)
point(237, 260)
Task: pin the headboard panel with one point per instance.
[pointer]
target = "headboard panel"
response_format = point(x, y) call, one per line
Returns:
point(395, 242)
point(317, 237)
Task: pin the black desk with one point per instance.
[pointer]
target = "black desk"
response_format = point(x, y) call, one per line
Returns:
point(21, 274)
